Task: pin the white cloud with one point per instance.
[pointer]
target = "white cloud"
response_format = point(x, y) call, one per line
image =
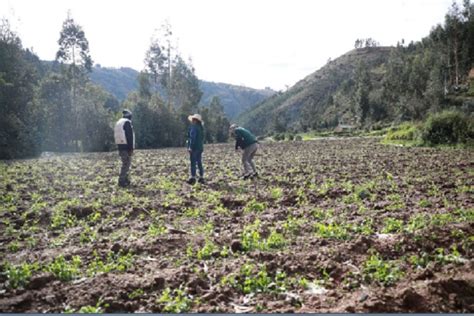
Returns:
point(257, 43)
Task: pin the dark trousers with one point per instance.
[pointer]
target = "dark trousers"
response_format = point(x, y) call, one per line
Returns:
point(196, 159)
point(126, 163)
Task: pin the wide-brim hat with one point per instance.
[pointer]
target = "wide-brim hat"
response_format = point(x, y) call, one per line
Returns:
point(195, 116)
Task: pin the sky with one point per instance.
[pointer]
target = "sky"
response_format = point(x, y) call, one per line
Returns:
point(254, 43)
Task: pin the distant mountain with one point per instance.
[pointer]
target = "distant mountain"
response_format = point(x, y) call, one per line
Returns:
point(235, 99)
point(313, 98)
point(117, 81)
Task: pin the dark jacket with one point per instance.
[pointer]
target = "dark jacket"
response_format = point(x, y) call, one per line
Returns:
point(243, 138)
point(196, 137)
point(128, 128)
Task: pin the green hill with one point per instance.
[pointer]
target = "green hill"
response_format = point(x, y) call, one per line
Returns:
point(235, 99)
point(117, 81)
point(313, 97)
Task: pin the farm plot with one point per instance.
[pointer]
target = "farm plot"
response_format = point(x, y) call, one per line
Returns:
point(343, 225)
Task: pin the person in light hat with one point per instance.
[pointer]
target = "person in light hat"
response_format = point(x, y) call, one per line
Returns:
point(248, 142)
point(195, 147)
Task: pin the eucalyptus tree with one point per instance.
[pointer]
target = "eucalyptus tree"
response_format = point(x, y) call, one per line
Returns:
point(160, 59)
point(74, 48)
point(76, 62)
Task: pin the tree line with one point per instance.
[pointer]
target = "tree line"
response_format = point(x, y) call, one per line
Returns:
point(56, 107)
point(417, 79)
point(421, 77)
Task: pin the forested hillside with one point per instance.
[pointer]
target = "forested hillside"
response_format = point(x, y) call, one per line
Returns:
point(55, 106)
point(306, 105)
point(235, 99)
point(117, 81)
point(372, 86)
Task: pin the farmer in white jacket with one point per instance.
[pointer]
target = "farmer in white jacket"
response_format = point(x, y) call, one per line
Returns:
point(125, 140)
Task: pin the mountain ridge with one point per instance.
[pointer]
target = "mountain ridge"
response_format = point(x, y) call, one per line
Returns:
point(235, 99)
point(314, 92)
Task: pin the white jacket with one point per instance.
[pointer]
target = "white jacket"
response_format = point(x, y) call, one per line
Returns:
point(119, 132)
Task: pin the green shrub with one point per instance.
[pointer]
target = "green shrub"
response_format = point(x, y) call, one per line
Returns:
point(279, 137)
point(405, 131)
point(448, 127)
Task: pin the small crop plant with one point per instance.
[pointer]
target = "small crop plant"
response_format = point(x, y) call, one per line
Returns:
point(174, 301)
point(156, 229)
point(275, 241)
point(292, 225)
point(392, 225)
point(253, 279)
point(207, 250)
point(136, 294)
point(19, 275)
point(443, 256)
point(276, 193)
point(331, 230)
point(88, 309)
point(254, 206)
point(416, 223)
point(375, 269)
point(419, 261)
point(251, 237)
point(65, 270)
point(114, 262)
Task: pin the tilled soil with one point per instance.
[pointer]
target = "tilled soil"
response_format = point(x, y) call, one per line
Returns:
point(340, 225)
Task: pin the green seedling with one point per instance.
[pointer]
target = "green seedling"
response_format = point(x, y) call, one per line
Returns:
point(136, 294)
point(18, 276)
point(332, 230)
point(442, 256)
point(207, 250)
point(375, 269)
point(253, 279)
point(65, 270)
point(89, 309)
point(276, 193)
point(114, 262)
point(392, 225)
point(157, 229)
point(175, 301)
point(254, 207)
point(274, 241)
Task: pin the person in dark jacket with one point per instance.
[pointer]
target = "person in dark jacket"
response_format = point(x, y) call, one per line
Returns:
point(248, 142)
point(125, 140)
point(196, 147)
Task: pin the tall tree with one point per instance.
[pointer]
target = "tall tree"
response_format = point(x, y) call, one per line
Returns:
point(74, 48)
point(76, 63)
point(160, 59)
point(453, 22)
point(363, 87)
point(186, 93)
point(20, 118)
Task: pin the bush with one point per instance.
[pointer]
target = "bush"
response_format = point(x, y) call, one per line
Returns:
point(448, 127)
point(406, 131)
point(298, 138)
point(279, 137)
point(290, 136)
